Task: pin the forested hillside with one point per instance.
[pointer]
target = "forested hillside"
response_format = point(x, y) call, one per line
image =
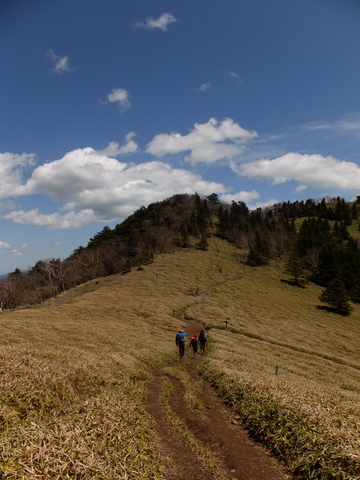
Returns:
point(316, 240)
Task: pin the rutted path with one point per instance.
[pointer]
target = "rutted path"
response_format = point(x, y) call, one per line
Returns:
point(197, 444)
point(205, 443)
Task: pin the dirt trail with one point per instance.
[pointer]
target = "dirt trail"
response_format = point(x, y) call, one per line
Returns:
point(208, 446)
point(220, 447)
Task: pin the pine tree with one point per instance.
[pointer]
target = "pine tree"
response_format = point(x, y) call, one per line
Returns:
point(354, 212)
point(259, 253)
point(328, 266)
point(223, 225)
point(202, 220)
point(295, 268)
point(255, 258)
point(355, 293)
point(337, 297)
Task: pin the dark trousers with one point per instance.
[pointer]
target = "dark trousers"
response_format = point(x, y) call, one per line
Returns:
point(181, 348)
point(195, 348)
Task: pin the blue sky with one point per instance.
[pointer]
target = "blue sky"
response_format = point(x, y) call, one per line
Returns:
point(108, 105)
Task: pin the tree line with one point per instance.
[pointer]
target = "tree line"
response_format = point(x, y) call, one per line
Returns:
point(310, 237)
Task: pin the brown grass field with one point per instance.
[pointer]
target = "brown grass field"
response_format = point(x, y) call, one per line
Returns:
point(73, 374)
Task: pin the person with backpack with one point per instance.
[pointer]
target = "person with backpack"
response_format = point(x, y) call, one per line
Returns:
point(202, 341)
point(180, 341)
point(194, 342)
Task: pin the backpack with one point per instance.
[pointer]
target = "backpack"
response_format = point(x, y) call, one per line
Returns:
point(180, 338)
point(202, 337)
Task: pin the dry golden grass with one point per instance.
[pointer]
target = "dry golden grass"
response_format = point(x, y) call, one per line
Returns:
point(73, 376)
point(309, 413)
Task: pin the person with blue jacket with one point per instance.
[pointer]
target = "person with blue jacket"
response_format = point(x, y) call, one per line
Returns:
point(180, 340)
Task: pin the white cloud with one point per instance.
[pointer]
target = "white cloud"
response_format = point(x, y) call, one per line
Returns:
point(234, 75)
point(313, 171)
point(205, 86)
point(348, 124)
point(4, 245)
point(114, 149)
point(207, 142)
point(242, 196)
point(91, 186)
point(266, 203)
point(121, 97)
point(247, 197)
point(78, 171)
point(52, 221)
point(161, 23)
point(6, 205)
point(61, 64)
point(16, 253)
point(12, 168)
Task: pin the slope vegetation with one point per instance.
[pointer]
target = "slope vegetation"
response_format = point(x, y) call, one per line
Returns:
point(74, 374)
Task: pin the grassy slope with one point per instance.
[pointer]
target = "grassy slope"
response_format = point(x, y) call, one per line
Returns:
point(308, 413)
point(72, 376)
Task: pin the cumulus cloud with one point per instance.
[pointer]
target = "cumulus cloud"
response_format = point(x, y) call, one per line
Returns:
point(91, 186)
point(121, 97)
point(52, 221)
point(61, 64)
point(207, 142)
point(264, 204)
point(248, 198)
point(114, 149)
point(315, 171)
point(4, 245)
point(242, 196)
point(160, 23)
point(12, 169)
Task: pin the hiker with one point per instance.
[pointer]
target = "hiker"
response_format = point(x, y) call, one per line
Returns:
point(194, 342)
point(202, 341)
point(180, 341)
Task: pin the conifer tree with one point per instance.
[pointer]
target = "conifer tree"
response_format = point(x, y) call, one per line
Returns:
point(295, 268)
point(355, 292)
point(354, 212)
point(223, 225)
point(322, 209)
point(254, 258)
point(259, 253)
point(337, 297)
point(328, 267)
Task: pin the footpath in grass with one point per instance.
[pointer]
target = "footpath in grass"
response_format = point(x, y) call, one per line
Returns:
point(197, 435)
